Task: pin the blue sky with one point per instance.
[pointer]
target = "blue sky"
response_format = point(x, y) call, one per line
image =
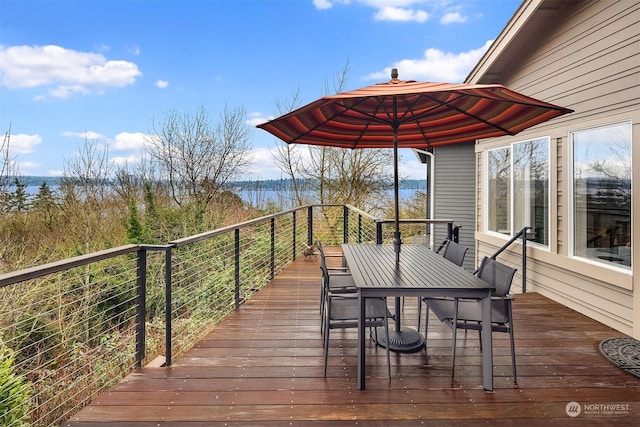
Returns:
point(105, 70)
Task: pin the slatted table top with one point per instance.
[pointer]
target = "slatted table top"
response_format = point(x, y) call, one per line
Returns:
point(374, 266)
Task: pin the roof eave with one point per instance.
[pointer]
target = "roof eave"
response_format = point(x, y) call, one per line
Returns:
point(485, 70)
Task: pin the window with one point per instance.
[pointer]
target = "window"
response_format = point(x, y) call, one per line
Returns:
point(602, 194)
point(499, 190)
point(518, 189)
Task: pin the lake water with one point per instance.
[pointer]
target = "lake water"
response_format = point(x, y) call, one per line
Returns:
point(261, 197)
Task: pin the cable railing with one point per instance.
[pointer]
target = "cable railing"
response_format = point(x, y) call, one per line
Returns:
point(71, 329)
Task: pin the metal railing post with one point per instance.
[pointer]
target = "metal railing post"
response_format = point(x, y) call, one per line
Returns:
point(236, 270)
point(378, 232)
point(273, 248)
point(168, 302)
point(359, 228)
point(524, 259)
point(293, 245)
point(310, 225)
point(141, 306)
point(345, 219)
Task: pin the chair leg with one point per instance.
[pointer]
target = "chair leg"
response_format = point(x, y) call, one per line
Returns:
point(426, 326)
point(513, 355)
point(322, 309)
point(326, 349)
point(513, 344)
point(386, 331)
point(419, 312)
point(453, 340)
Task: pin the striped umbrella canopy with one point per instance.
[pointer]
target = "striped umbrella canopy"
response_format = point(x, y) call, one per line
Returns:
point(409, 114)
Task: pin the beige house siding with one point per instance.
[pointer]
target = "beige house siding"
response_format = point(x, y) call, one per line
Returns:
point(584, 55)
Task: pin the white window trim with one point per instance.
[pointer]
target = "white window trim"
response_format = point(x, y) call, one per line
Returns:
point(571, 201)
point(485, 220)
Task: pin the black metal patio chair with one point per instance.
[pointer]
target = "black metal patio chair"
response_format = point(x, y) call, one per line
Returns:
point(341, 312)
point(454, 252)
point(467, 314)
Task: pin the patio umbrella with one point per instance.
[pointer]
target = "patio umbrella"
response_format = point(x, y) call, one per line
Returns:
point(409, 114)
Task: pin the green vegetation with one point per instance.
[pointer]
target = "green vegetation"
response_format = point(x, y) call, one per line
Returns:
point(15, 393)
point(70, 334)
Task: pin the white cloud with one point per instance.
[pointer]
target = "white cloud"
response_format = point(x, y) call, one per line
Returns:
point(23, 144)
point(453, 18)
point(257, 118)
point(129, 141)
point(322, 4)
point(133, 50)
point(262, 165)
point(162, 84)
point(131, 159)
point(435, 66)
point(88, 135)
point(26, 167)
point(403, 10)
point(401, 14)
point(63, 72)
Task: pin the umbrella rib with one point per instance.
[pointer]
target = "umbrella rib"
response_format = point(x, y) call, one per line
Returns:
point(372, 116)
point(461, 111)
point(311, 129)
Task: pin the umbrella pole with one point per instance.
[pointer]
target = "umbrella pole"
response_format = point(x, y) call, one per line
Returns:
point(407, 340)
point(397, 237)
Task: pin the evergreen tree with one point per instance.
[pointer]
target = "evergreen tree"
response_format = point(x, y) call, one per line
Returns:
point(46, 204)
point(19, 199)
point(135, 231)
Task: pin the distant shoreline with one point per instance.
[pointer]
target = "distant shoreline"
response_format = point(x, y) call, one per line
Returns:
point(267, 184)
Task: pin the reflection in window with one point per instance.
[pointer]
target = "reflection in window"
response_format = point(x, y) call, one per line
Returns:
point(499, 212)
point(519, 189)
point(602, 194)
point(531, 188)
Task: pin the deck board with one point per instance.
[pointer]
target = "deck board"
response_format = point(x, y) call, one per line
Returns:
point(262, 366)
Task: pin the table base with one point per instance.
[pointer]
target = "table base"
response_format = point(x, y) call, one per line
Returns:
point(406, 340)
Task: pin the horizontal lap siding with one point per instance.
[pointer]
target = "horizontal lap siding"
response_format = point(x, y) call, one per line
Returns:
point(587, 59)
point(455, 193)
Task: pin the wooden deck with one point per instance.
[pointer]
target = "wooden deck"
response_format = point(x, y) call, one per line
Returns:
point(263, 367)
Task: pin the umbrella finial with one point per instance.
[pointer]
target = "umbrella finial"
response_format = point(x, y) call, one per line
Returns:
point(394, 74)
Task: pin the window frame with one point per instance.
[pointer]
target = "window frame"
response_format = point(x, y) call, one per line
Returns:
point(512, 199)
point(572, 203)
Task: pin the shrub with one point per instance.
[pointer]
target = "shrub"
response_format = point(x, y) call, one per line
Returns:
point(15, 393)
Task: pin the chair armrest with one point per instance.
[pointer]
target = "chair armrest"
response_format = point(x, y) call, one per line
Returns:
point(509, 297)
point(342, 295)
point(341, 274)
point(437, 298)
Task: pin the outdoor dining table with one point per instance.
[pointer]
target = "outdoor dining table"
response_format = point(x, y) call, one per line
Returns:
point(422, 273)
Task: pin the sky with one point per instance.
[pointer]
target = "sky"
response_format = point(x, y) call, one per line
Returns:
point(106, 70)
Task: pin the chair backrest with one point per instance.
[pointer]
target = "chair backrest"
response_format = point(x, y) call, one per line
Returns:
point(455, 252)
point(320, 248)
point(497, 274)
point(325, 274)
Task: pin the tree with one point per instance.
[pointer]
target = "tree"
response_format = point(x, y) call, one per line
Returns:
point(197, 157)
point(45, 204)
point(18, 199)
point(89, 173)
point(288, 157)
point(359, 177)
point(8, 170)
